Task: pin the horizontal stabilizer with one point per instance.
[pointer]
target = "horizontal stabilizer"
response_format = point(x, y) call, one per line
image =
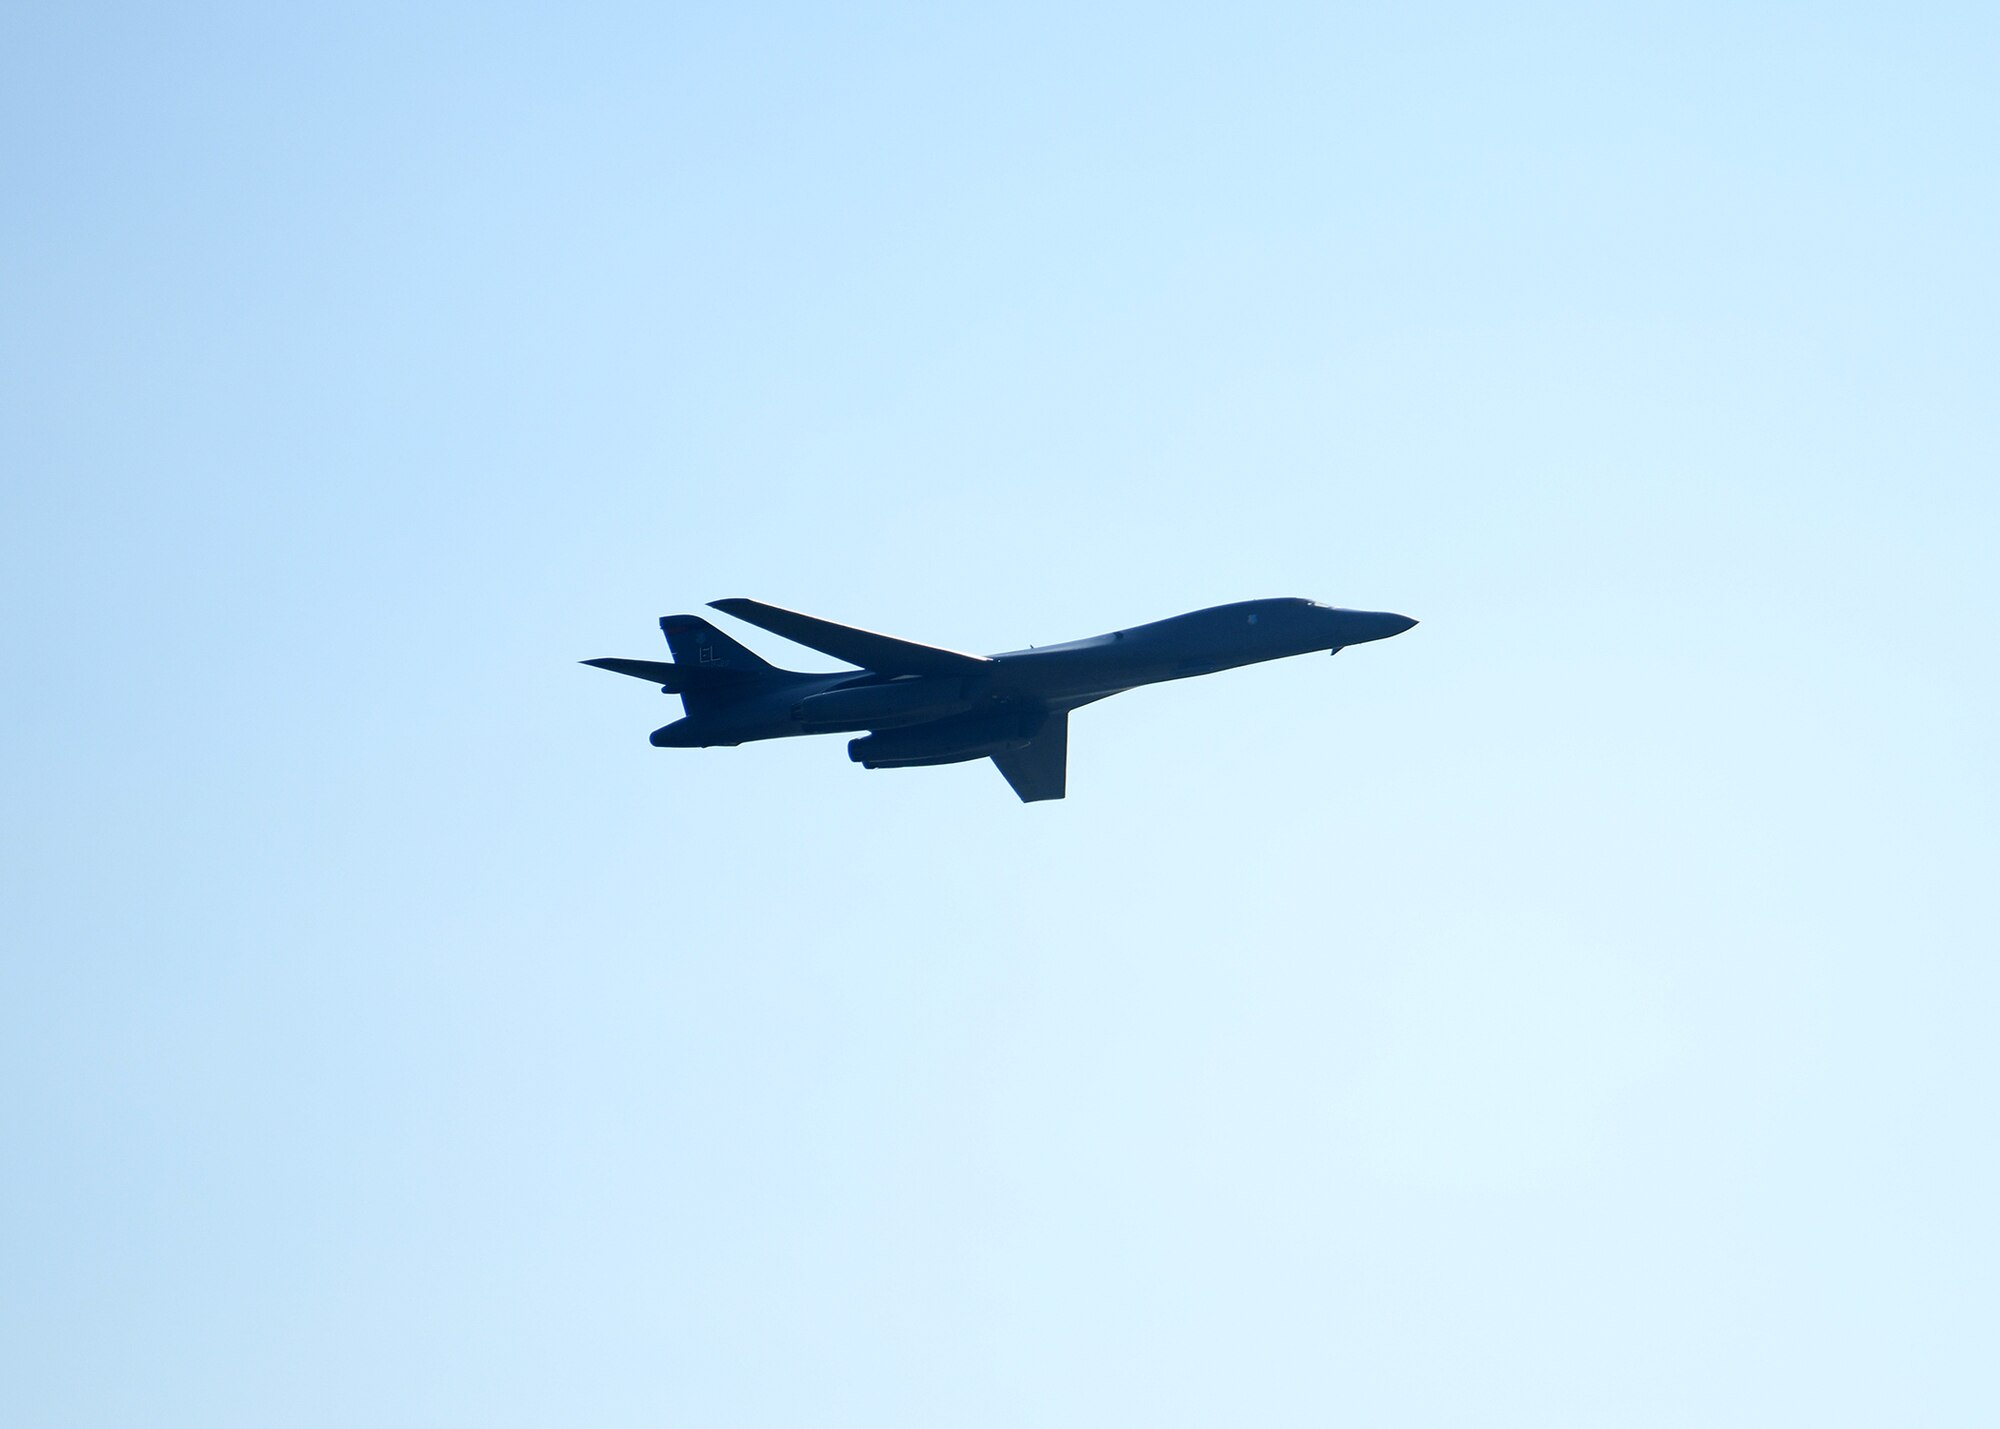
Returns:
point(883, 654)
point(1039, 769)
point(674, 679)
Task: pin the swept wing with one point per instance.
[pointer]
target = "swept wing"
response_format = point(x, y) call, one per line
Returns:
point(883, 654)
point(1039, 769)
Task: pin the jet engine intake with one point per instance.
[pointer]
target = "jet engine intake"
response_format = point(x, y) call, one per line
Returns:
point(947, 741)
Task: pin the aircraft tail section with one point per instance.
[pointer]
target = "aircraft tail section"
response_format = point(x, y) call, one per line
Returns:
point(712, 661)
point(700, 646)
point(671, 678)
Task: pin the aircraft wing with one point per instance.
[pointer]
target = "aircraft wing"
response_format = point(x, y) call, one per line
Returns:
point(1039, 769)
point(883, 654)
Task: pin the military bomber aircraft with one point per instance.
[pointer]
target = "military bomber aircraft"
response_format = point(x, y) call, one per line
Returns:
point(923, 705)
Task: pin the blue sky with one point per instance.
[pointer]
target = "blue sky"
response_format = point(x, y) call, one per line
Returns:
point(1576, 1011)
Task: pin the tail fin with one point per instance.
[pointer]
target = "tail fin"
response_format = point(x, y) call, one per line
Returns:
point(699, 645)
point(715, 664)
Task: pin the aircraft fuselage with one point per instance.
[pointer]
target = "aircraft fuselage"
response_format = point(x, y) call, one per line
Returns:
point(1038, 679)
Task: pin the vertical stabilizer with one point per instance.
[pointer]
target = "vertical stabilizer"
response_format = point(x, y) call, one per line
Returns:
point(700, 648)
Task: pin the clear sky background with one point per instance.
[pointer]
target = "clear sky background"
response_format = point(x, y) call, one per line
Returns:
point(1577, 1011)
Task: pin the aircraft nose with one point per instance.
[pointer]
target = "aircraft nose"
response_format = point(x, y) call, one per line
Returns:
point(1360, 626)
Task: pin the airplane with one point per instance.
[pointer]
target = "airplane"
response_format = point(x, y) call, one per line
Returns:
point(922, 705)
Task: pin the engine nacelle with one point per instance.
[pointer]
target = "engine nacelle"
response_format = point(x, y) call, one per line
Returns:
point(898, 702)
point(948, 741)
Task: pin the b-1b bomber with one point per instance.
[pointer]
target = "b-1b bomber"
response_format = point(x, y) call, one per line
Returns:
point(923, 705)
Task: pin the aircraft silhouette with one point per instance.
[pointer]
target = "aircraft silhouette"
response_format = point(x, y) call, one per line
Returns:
point(922, 705)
